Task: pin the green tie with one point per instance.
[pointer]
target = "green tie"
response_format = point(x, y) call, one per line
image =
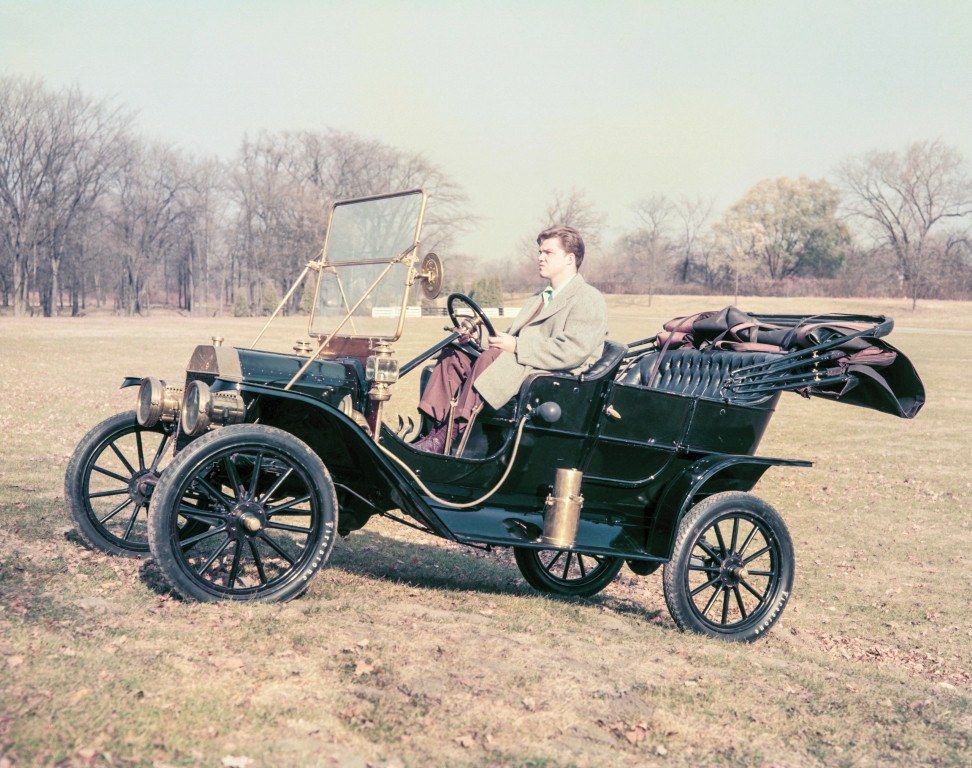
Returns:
point(547, 295)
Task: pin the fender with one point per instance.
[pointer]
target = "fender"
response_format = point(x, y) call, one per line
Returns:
point(705, 477)
point(318, 424)
point(131, 381)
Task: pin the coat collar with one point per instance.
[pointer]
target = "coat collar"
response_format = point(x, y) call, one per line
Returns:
point(558, 302)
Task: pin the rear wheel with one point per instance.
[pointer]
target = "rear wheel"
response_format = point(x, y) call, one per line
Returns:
point(731, 571)
point(571, 574)
point(271, 511)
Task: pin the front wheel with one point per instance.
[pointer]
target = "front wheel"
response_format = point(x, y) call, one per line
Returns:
point(731, 571)
point(109, 482)
point(570, 574)
point(271, 511)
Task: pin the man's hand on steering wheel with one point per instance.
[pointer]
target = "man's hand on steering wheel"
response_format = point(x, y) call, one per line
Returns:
point(467, 327)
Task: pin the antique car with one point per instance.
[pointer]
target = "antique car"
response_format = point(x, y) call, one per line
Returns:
point(239, 478)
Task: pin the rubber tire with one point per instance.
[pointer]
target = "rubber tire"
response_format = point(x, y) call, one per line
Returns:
point(74, 485)
point(696, 520)
point(195, 454)
point(528, 561)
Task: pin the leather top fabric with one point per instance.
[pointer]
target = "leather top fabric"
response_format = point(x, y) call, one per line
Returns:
point(692, 372)
point(566, 334)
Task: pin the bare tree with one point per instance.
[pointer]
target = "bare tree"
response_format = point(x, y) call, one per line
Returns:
point(693, 216)
point(143, 214)
point(649, 249)
point(28, 147)
point(573, 209)
point(56, 153)
point(903, 198)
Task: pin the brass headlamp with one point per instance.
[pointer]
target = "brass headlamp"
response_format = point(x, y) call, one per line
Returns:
point(203, 408)
point(157, 401)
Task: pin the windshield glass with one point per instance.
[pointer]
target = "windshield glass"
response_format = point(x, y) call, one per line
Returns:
point(364, 239)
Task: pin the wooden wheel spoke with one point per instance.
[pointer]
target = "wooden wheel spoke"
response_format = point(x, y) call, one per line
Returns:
point(707, 584)
point(214, 493)
point(718, 534)
point(707, 548)
point(712, 599)
point(235, 567)
point(276, 484)
point(122, 459)
point(258, 561)
point(747, 540)
point(234, 476)
point(212, 558)
point(739, 602)
point(255, 475)
point(285, 527)
point(276, 547)
point(131, 522)
point(753, 592)
point(193, 540)
point(141, 450)
point(99, 494)
point(283, 508)
point(114, 511)
point(757, 554)
point(112, 475)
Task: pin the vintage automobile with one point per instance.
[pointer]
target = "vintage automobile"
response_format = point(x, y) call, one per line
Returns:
point(239, 478)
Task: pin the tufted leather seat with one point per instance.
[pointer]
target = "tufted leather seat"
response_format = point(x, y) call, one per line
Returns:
point(692, 372)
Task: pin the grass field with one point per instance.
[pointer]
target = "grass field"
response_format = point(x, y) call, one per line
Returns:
point(409, 651)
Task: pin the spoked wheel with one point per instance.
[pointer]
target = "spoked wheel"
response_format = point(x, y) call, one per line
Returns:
point(109, 481)
point(566, 573)
point(271, 508)
point(731, 571)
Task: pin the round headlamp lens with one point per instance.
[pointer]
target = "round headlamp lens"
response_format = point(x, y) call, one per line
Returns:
point(149, 407)
point(195, 409)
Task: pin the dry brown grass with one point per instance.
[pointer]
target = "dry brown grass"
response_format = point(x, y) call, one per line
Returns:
point(412, 651)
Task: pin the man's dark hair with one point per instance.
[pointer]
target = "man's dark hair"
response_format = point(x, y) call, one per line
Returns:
point(570, 241)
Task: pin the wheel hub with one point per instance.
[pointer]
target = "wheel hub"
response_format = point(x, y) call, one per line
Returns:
point(732, 570)
point(141, 486)
point(249, 518)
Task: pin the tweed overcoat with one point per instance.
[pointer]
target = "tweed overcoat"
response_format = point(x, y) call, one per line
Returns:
point(566, 335)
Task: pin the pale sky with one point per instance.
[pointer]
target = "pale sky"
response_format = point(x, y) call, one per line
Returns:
point(517, 99)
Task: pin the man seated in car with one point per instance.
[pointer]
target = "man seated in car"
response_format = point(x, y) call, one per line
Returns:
point(561, 328)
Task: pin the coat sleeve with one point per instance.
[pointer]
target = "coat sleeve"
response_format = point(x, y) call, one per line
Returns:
point(583, 333)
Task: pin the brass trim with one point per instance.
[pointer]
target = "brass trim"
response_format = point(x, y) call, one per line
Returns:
point(562, 513)
point(406, 257)
point(222, 361)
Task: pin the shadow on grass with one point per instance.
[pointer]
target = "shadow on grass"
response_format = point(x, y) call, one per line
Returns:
point(374, 556)
point(379, 557)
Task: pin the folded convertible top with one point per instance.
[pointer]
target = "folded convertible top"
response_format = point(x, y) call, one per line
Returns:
point(836, 356)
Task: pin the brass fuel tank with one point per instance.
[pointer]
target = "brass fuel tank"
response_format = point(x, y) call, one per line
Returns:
point(562, 512)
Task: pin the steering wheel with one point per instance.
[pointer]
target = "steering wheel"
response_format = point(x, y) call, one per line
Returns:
point(463, 325)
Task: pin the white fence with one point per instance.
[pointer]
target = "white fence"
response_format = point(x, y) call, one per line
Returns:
point(419, 311)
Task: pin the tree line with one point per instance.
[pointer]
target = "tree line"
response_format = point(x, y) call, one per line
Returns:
point(92, 214)
point(889, 224)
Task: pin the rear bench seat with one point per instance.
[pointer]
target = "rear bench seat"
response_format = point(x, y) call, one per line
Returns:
point(692, 372)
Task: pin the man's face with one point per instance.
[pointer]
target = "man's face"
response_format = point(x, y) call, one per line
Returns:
point(553, 260)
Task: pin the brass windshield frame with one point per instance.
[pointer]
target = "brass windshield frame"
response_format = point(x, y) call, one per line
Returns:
point(408, 257)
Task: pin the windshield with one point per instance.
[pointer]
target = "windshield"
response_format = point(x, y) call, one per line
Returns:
point(364, 271)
